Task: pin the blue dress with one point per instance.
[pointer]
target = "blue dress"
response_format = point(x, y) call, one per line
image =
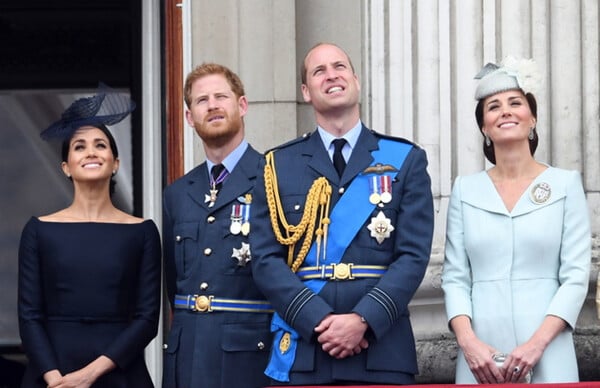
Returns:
point(508, 270)
point(85, 290)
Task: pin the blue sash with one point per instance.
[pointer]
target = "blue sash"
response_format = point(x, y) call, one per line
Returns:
point(347, 217)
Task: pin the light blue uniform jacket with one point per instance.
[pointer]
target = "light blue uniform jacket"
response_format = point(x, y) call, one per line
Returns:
point(508, 270)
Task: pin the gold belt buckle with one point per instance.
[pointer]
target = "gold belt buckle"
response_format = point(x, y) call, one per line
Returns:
point(202, 303)
point(342, 271)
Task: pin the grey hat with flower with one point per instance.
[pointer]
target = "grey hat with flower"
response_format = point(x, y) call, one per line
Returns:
point(511, 74)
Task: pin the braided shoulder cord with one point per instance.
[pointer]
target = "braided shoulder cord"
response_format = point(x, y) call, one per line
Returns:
point(316, 208)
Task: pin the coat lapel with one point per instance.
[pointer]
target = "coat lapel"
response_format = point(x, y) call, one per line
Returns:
point(198, 185)
point(479, 191)
point(548, 179)
point(319, 158)
point(243, 175)
point(241, 179)
point(360, 158)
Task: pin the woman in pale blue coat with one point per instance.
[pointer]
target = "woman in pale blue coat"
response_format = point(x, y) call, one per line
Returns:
point(518, 248)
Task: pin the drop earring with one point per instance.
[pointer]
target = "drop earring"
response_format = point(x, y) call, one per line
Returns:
point(531, 133)
point(488, 142)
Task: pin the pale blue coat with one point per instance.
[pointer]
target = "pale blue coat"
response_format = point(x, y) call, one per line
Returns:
point(508, 270)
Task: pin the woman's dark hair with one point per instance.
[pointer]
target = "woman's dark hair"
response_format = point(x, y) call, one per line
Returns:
point(113, 147)
point(488, 151)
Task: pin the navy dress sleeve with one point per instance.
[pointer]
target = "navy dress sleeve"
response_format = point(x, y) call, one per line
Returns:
point(31, 311)
point(144, 317)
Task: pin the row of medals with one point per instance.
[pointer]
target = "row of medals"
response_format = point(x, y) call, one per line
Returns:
point(380, 192)
point(380, 187)
point(240, 216)
point(240, 212)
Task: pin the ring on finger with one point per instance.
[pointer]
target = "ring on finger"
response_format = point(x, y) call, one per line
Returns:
point(516, 370)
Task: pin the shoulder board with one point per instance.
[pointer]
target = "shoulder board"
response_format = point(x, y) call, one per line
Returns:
point(394, 138)
point(291, 142)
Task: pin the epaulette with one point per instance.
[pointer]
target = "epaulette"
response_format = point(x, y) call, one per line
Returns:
point(291, 142)
point(395, 138)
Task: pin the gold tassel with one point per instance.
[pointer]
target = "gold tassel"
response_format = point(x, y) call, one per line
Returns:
point(316, 212)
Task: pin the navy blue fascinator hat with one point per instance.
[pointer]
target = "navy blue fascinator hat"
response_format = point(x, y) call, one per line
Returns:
point(107, 107)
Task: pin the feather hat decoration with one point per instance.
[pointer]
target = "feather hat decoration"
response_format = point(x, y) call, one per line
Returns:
point(107, 107)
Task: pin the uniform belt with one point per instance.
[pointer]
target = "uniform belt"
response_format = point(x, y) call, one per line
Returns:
point(209, 304)
point(341, 271)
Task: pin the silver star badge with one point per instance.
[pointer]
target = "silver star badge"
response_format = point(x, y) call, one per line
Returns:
point(380, 227)
point(242, 255)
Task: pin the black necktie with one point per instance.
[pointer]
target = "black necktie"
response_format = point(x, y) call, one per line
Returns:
point(338, 159)
point(218, 173)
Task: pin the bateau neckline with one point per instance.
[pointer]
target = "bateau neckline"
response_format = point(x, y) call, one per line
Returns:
point(89, 222)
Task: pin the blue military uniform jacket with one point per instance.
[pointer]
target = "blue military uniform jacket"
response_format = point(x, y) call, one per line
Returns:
point(391, 356)
point(202, 257)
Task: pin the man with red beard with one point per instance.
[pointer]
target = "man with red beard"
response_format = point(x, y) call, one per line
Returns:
point(219, 334)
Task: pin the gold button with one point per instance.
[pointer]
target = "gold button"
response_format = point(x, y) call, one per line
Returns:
point(207, 251)
point(210, 219)
point(202, 303)
point(177, 238)
point(341, 190)
point(203, 286)
point(261, 345)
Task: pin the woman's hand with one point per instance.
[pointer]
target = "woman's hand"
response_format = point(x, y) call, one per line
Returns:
point(524, 357)
point(78, 379)
point(86, 376)
point(477, 353)
point(52, 377)
point(521, 361)
point(479, 357)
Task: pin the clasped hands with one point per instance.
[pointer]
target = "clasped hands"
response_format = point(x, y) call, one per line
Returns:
point(342, 335)
point(517, 364)
point(77, 379)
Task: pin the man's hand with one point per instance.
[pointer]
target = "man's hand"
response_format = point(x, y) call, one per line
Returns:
point(342, 335)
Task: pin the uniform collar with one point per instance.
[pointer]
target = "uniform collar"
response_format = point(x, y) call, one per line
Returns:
point(232, 159)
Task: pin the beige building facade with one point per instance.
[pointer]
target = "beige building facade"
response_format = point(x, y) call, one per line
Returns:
point(416, 61)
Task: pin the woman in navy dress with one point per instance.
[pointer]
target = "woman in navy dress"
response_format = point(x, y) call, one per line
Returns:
point(89, 274)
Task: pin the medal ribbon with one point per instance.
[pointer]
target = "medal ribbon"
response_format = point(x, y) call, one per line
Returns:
point(236, 213)
point(347, 217)
point(246, 213)
point(386, 184)
point(214, 182)
point(374, 186)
